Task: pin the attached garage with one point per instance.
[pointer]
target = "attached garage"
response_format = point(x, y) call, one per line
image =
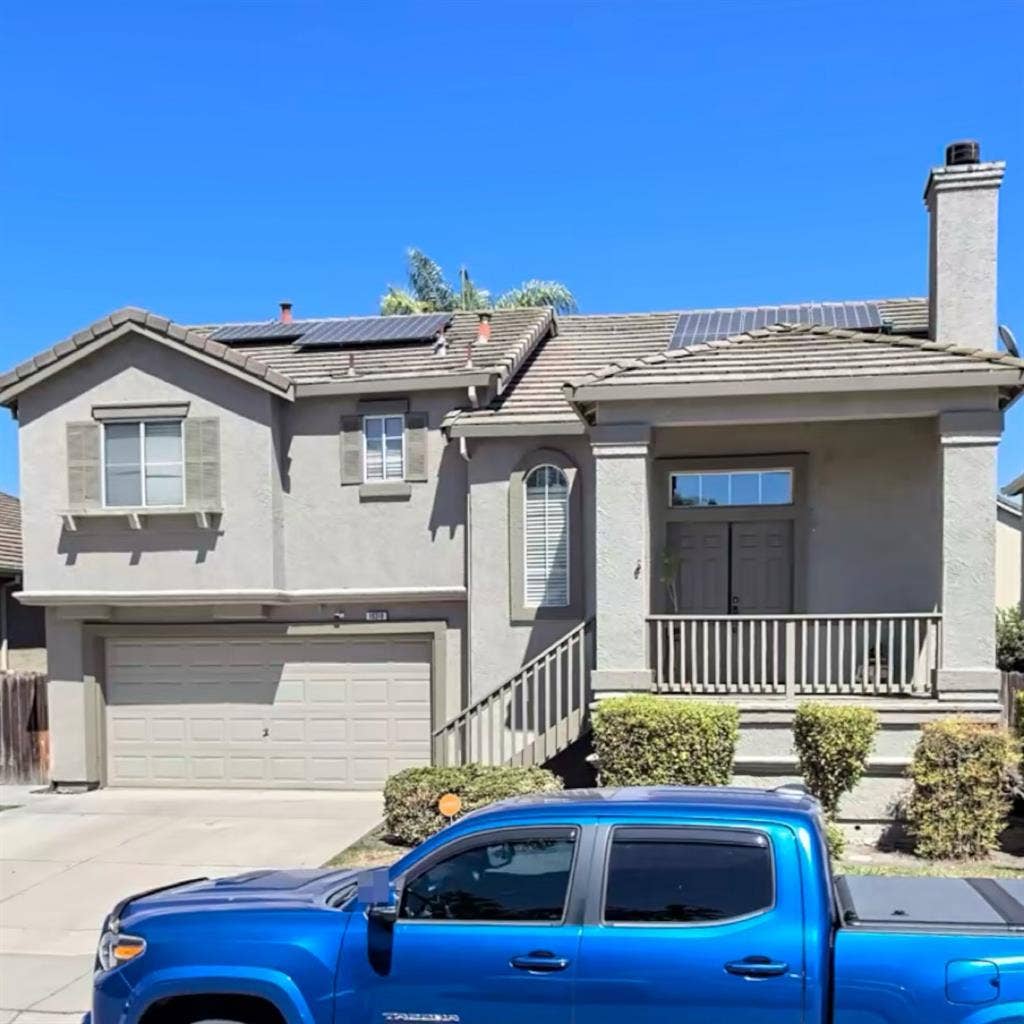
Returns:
point(266, 712)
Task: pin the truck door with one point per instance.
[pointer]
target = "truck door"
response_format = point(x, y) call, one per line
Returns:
point(693, 925)
point(484, 935)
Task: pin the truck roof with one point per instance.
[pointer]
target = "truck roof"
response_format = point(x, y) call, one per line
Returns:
point(638, 801)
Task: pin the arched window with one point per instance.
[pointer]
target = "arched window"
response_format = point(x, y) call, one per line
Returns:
point(546, 542)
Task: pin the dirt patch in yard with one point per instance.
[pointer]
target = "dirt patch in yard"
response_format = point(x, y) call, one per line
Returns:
point(374, 850)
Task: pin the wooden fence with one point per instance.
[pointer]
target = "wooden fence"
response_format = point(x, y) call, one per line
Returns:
point(24, 728)
point(1013, 683)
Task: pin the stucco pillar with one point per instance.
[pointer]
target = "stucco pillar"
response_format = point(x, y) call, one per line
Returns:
point(968, 466)
point(74, 705)
point(622, 550)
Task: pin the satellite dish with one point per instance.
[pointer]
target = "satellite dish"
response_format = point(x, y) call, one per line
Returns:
point(1008, 340)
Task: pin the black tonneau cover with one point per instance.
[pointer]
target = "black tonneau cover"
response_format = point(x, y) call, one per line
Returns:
point(960, 903)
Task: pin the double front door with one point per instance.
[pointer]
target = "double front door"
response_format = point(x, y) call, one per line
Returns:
point(740, 568)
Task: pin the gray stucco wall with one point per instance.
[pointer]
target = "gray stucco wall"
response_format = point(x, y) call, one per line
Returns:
point(171, 553)
point(1009, 557)
point(498, 645)
point(873, 531)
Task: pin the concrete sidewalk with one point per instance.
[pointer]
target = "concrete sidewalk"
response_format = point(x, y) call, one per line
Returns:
point(66, 860)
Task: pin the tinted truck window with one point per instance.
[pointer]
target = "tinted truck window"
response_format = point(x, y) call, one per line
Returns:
point(518, 880)
point(679, 881)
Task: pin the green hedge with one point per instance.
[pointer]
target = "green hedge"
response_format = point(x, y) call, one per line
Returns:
point(961, 796)
point(644, 740)
point(832, 744)
point(1010, 639)
point(410, 796)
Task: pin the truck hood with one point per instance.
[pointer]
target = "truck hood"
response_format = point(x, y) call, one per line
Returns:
point(294, 888)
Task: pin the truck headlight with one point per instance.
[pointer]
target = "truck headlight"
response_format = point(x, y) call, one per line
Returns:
point(116, 949)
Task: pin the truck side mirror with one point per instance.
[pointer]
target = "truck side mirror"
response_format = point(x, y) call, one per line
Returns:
point(376, 892)
point(385, 914)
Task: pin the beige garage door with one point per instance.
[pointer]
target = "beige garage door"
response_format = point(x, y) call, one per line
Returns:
point(270, 712)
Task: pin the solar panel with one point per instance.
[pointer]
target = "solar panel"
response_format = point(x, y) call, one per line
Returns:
point(715, 324)
point(341, 331)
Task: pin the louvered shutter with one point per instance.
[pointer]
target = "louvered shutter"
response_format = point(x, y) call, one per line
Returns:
point(202, 462)
point(416, 447)
point(351, 449)
point(546, 548)
point(84, 465)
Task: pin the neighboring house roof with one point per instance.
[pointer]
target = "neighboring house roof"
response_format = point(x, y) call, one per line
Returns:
point(1015, 486)
point(1008, 506)
point(794, 352)
point(10, 533)
point(284, 368)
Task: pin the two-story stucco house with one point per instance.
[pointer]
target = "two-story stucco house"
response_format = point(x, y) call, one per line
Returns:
point(313, 552)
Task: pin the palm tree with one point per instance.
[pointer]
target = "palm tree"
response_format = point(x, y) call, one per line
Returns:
point(429, 292)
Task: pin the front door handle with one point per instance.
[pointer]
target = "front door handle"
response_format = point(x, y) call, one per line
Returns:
point(757, 967)
point(540, 961)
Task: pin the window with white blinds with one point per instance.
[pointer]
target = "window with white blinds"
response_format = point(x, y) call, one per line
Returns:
point(546, 547)
point(385, 448)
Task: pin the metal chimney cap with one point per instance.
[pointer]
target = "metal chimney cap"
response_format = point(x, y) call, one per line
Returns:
point(964, 151)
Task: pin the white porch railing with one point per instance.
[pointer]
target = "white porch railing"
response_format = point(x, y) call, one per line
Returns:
point(796, 655)
point(529, 718)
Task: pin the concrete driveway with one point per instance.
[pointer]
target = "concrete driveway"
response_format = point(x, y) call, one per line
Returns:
point(65, 861)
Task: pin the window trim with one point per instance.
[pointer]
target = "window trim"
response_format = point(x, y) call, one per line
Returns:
point(568, 537)
point(383, 417)
point(698, 834)
point(485, 838)
point(791, 470)
point(141, 424)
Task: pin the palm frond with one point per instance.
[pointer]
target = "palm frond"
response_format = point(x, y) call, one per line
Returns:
point(471, 297)
point(398, 302)
point(539, 293)
point(427, 283)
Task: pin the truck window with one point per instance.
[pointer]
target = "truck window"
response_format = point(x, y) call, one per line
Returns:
point(672, 879)
point(525, 879)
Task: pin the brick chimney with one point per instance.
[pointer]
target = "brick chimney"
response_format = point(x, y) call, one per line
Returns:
point(962, 198)
point(286, 312)
point(483, 331)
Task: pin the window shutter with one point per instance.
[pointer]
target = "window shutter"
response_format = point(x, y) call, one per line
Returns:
point(84, 465)
point(202, 462)
point(416, 447)
point(351, 449)
point(547, 538)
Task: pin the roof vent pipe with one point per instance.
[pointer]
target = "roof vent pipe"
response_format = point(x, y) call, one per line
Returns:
point(483, 331)
point(286, 312)
point(964, 151)
point(441, 343)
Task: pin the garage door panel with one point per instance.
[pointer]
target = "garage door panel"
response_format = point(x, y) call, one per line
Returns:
point(290, 713)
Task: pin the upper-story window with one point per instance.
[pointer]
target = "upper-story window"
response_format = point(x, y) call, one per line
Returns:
point(546, 551)
point(731, 487)
point(384, 457)
point(143, 464)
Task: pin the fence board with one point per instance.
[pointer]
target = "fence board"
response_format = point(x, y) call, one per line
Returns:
point(1013, 683)
point(24, 728)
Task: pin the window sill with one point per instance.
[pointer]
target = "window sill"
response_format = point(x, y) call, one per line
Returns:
point(137, 518)
point(397, 490)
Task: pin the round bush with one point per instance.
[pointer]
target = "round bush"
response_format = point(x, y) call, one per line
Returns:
point(410, 796)
point(961, 772)
point(832, 744)
point(644, 740)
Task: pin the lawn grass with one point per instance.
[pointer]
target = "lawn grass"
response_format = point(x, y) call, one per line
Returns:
point(372, 851)
point(931, 869)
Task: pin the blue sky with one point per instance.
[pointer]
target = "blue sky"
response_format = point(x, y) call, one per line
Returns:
point(207, 159)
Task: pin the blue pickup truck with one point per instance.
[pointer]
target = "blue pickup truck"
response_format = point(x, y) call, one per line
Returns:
point(628, 906)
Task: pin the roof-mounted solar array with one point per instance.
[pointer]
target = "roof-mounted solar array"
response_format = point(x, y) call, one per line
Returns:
point(715, 324)
point(343, 331)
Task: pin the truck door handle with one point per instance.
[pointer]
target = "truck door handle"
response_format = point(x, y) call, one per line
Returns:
point(540, 961)
point(757, 967)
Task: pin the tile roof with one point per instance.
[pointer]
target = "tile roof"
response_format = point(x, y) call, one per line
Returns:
point(801, 351)
point(10, 532)
point(282, 366)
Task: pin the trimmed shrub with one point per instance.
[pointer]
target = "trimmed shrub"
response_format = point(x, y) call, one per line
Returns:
point(644, 740)
point(961, 772)
point(832, 743)
point(410, 796)
point(1010, 639)
point(834, 840)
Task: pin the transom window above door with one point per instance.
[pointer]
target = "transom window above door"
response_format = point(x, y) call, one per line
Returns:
point(385, 448)
point(718, 488)
point(143, 464)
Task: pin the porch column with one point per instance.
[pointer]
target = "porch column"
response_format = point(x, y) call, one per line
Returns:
point(73, 704)
point(968, 467)
point(622, 549)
